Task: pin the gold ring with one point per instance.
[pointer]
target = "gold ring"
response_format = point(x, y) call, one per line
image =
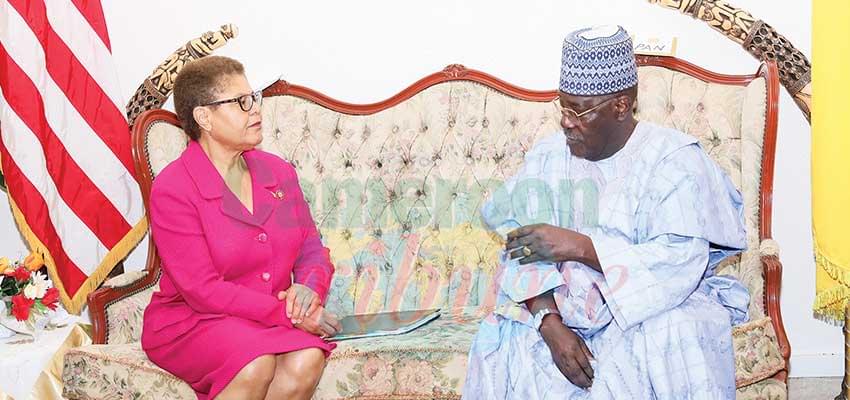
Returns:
point(526, 251)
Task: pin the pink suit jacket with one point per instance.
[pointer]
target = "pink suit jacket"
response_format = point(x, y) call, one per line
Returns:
point(220, 260)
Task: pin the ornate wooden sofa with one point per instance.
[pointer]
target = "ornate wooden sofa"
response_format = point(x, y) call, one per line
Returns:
point(395, 187)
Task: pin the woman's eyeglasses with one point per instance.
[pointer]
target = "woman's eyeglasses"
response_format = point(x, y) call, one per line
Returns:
point(246, 101)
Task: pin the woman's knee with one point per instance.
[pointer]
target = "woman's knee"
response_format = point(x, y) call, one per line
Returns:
point(304, 366)
point(258, 372)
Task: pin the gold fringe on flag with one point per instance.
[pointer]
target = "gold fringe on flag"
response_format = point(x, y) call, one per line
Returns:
point(75, 304)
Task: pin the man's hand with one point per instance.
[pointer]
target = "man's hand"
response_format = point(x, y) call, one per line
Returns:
point(301, 302)
point(551, 244)
point(568, 350)
point(321, 323)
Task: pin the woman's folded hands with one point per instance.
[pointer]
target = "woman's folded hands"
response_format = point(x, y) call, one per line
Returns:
point(305, 310)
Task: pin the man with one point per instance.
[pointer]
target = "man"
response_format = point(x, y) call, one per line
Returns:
point(607, 287)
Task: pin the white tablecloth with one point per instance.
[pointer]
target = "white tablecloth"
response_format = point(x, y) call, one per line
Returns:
point(22, 359)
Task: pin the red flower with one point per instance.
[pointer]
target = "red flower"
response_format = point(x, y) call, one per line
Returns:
point(21, 274)
point(21, 307)
point(50, 297)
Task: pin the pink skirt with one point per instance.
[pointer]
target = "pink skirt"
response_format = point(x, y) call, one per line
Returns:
point(211, 353)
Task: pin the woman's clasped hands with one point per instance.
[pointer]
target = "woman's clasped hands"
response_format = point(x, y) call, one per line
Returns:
point(305, 310)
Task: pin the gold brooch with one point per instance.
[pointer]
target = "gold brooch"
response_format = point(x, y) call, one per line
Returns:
point(278, 194)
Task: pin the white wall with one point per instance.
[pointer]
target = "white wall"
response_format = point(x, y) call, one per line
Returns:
point(367, 51)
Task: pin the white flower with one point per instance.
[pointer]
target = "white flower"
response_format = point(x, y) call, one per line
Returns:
point(37, 288)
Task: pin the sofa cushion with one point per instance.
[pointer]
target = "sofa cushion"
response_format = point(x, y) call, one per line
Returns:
point(768, 389)
point(757, 354)
point(118, 371)
point(429, 363)
point(124, 317)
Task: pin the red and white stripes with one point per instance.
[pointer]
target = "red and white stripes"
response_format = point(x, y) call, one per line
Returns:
point(65, 147)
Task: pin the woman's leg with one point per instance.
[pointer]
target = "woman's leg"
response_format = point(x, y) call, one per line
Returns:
point(297, 374)
point(252, 381)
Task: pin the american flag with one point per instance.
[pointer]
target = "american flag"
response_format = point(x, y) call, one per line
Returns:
point(65, 149)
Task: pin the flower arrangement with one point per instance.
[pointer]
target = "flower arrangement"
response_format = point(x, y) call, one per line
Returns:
point(25, 291)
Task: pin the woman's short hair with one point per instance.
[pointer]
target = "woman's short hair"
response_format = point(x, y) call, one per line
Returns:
point(198, 83)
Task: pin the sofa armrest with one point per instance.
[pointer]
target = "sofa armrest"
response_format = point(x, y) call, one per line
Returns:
point(124, 279)
point(773, 286)
point(101, 299)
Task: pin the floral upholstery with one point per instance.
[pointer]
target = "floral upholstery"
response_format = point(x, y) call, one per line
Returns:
point(124, 317)
point(429, 363)
point(768, 389)
point(426, 364)
point(118, 371)
point(757, 354)
point(395, 195)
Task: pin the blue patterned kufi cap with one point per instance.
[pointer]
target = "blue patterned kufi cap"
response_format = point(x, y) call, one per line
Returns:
point(597, 61)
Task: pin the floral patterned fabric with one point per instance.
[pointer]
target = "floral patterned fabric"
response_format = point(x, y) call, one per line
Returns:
point(757, 354)
point(768, 389)
point(429, 363)
point(396, 196)
point(124, 317)
point(120, 371)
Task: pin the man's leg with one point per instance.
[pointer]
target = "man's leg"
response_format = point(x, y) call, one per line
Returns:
point(684, 353)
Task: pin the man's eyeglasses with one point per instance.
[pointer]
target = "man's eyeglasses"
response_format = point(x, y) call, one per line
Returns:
point(246, 101)
point(574, 115)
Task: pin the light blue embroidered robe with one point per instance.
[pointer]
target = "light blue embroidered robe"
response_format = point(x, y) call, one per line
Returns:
point(661, 215)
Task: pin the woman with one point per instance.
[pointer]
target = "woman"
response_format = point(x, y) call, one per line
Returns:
point(239, 313)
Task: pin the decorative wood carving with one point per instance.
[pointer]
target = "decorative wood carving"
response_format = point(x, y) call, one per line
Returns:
point(156, 88)
point(455, 71)
point(772, 289)
point(759, 39)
